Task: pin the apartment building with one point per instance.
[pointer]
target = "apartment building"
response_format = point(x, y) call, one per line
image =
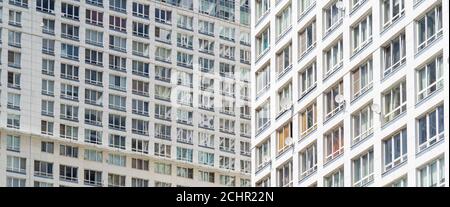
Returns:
point(124, 93)
point(350, 93)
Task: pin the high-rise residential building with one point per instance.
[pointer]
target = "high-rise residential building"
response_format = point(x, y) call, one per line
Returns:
point(125, 93)
point(350, 93)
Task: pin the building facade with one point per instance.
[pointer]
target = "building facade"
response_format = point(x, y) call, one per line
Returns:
point(124, 93)
point(350, 93)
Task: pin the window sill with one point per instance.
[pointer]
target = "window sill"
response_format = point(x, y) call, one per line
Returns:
point(430, 96)
point(306, 11)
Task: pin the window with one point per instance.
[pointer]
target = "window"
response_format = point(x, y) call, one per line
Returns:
point(47, 147)
point(285, 175)
point(332, 17)
point(93, 136)
point(92, 177)
point(307, 39)
point(118, 5)
point(94, 17)
point(244, 15)
point(162, 92)
point(93, 117)
point(184, 116)
point(432, 174)
point(115, 180)
point(264, 182)
point(138, 182)
point(117, 63)
point(163, 35)
point(163, 150)
point(16, 164)
point(283, 21)
point(14, 59)
point(139, 127)
point(331, 106)
point(333, 58)
point(116, 141)
point(68, 173)
point(162, 131)
point(184, 59)
point(140, 68)
point(13, 121)
point(226, 125)
point(93, 77)
point(117, 23)
point(14, 101)
point(184, 154)
point(162, 111)
point(117, 122)
point(228, 180)
point(69, 92)
point(227, 70)
point(46, 6)
point(361, 34)
point(15, 18)
point(206, 102)
point(284, 136)
point(14, 38)
point(429, 27)
point(69, 51)
point(70, 11)
point(394, 101)
point(227, 88)
point(263, 117)
point(117, 82)
point(163, 16)
point(163, 74)
point(206, 158)
point(48, 26)
point(185, 22)
point(69, 71)
point(304, 6)
point(95, 2)
point(93, 155)
point(68, 151)
point(263, 42)
point(46, 127)
point(335, 179)
point(43, 169)
point(284, 60)
point(163, 54)
point(227, 144)
point(307, 79)
point(245, 167)
point(185, 172)
point(13, 143)
point(184, 97)
point(206, 46)
point(15, 182)
point(68, 132)
point(245, 130)
point(48, 67)
point(140, 29)
point(140, 88)
point(118, 160)
point(362, 124)
point(48, 46)
point(70, 31)
point(227, 52)
point(262, 8)
point(392, 10)
point(430, 128)
point(140, 146)
point(206, 176)
point(93, 57)
point(308, 120)
point(394, 54)
point(362, 79)
point(140, 49)
point(430, 78)
point(226, 162)
point(117, 43)
point(141, 10)
point(228, 107)
point(163, 168)
point(205, 27)
point(262, 80)
point(139, 164)
point(47, 107)
point(394, 150)
point(362, 167)
point(334, 143)
point(206, 121)
point(117, 102)
point(308, 161)
point(140, 107)
point(205, 140)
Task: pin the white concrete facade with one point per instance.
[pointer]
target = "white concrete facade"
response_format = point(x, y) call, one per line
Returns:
point(405, 171)
point(227, 164)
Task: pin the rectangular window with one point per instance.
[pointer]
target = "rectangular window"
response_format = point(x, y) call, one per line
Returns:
point(395, 150)
point(430, 78)
point(432, 174)
point(93, 136)
point(138, 182)
point(262, 154)
point(262, 8)
point(227, 144)
point(163, 168)
point(263, 117)
point(335, 179)
point(391, 11)
point(94, 17)
point(307, 79)
point(308, 161)
point(333, 58)
point(163, 150)
point(362, 167)
point(185, 172)
point(394, 102)
point(13, 143)
point(93, 77)
point(69, 51)
point(333, 17)
point(394, 54)
point(307, 39)
point(117, 122)
point(140, 49)
point(285, 175)
point(117, 160)
point(16, 164)
point(227, 163)
point(70, 31)
point(205, 140)
point(43, 169)
point(140, 68)
point(139, 127)
point(362, 123)
point(70, 11)
point(93, 155)
point(115, 180)
point(284, 60)
point(205, 27)
point(46, 6)
point(284, 136)
point(163, 35)
point(429, 27)
point(262, 42)
point(141, 10)
point(162, 131)
point(117, 23)
point(92, 177)
point(361, 34)
point(430, 128)
point(68, 132)
point(117, 102)
point(334, 143)
point(93, 57)
point(362, 79)
point(139, 164)
point(283, 21)
point(163, 16)
point(68, 173)
point(140, 146)
point(206, 158)
point(185, 22)
point(308, 120)
point(47, 147)
point(68, 151)
point(184, 154)
point(332, 107)
point(117, 82)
